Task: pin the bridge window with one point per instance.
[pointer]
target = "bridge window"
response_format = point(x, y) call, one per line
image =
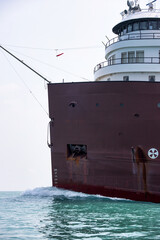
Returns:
point(131, 57)
point(139, 56)
point(124, 57)
point(144, 25)
point(136, 26)
point(111, 60)
point(140, 25)
point(129, 27)
point(153, 25)
point(125, 30)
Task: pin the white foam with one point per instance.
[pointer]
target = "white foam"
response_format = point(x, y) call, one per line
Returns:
point(61, 193)
point(118, 199)
point(53, 192)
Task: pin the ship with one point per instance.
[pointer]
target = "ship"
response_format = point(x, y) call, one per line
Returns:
point(105, 134)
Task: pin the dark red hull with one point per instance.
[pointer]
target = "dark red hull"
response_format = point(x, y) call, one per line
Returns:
point(101, 133)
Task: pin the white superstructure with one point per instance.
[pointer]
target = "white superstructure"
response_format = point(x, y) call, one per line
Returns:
point(134, 55)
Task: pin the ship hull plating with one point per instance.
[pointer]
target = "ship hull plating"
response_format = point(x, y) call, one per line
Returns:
point(105, 138)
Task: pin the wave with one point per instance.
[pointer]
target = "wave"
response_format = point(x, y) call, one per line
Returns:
point(58, 193)
point(53, 192)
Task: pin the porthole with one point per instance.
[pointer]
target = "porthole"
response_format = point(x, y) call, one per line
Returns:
point(126, 78)
point(152, 78)
point(72, 104)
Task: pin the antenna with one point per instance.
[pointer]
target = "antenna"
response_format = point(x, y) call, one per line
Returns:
point(150, 4)
point(130, 3)
point(133, 5)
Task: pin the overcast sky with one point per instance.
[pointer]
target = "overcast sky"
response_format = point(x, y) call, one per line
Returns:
point(33, 30)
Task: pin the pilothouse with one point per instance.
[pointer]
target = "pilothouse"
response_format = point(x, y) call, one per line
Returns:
point(134, 55)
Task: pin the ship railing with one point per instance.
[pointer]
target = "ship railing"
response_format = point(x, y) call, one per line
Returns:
point(130, 60)
point(133, 36)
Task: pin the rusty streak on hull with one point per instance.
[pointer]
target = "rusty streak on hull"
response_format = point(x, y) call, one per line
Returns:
point(117, 122)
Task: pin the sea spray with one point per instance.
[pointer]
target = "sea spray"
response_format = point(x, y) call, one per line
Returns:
point(62, 193)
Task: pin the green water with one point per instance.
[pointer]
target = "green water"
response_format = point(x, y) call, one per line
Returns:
point(51, 213)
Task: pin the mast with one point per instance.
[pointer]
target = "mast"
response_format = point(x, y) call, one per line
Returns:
point(26, 65)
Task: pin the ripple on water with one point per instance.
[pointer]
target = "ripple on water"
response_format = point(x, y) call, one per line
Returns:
point(52, 213)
